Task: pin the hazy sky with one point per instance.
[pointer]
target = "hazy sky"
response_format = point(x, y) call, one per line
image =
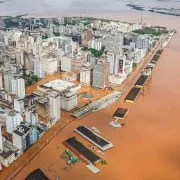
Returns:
point(28, 6)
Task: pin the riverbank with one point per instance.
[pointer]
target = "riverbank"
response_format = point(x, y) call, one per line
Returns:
point(160, 10)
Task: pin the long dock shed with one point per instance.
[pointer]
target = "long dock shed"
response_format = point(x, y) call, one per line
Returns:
point(132, 94)
point(81, 151)
point(94, 138)
point(120, 113)
point(141, 81)
point(37, 175)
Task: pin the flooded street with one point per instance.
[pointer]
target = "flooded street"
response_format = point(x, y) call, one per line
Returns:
point(148, 146)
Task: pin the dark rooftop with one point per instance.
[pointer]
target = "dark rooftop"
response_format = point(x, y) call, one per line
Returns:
point(21, 130)
point(120, 113)
point(98, 140)
point(132, 94)
point(6, 154)
point(141, 81)
point(37, 175)
point(80, 148)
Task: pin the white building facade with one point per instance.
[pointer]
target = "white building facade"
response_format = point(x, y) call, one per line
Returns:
point(12, 121)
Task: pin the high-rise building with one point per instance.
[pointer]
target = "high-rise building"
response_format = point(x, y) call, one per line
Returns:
point(66, 63)
point(49, 30)
point(60, 20)
point(67, 20)
point(13, 120)
point(76, 64)
point(68, 101)
point(54, 106)
point(24, 136)
point(1, 23)
point(19, 105)
point(31, 117)
point(1, 140)
point(142, 43)
point(116, 63)
point(101, 74)
point(66, 44)
point(77, 38)
point(18, 87)
point(113, 42)
point(88, 35)
point(8, 78)
point(86, 74)
point(38, 67)
point(95, 44)
point(1, 80)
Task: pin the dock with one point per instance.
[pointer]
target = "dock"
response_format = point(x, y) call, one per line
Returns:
point(120, 113)
point(81, 151)
point(141, 81)
point(132, 94)
point(94, 138)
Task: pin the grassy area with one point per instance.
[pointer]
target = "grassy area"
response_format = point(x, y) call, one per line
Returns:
point(94, 52)
point(103, 162)
point(30, 79)
point(134, 65)
point(151, 31)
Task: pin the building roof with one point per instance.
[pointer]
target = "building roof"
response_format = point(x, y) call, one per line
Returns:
point(80, 148)
point(22, 130)
point(5, 154)
point(37, 175)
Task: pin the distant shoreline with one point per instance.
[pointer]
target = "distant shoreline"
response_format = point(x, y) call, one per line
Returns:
point(166, 11)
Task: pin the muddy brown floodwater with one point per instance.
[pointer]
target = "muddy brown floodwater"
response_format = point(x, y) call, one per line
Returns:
point(148, 146)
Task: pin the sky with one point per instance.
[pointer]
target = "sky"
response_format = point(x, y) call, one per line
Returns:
point(29, 6)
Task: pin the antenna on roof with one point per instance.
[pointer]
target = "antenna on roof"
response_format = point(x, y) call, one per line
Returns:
point(141, 19)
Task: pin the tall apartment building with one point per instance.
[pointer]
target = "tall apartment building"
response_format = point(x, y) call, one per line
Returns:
point(1, 23)
point(60, 20)
point(31, 117)
point(24, 136)
point(50, 64)
point(86, 74)
point(13, 120)
point(8, 78)
point(67, 20)
point(18, 87)
point(95, 44)
point(1, 140)
point(1, 80)
point(68, 100)
point(49, 30)
point(88, 35)
point(142, 43)
point(76, 64)
point(66, 44)
point(77, 38)
point(116, 63)
point(66, 63)
point(38, 67)
point(113, 42)
point(54, 106)
point(101, 75)
point(19, 105)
